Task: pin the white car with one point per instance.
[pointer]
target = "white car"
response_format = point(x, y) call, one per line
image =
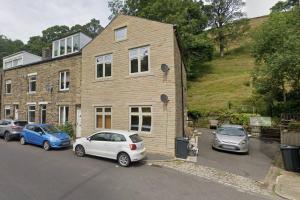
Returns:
point(123, 146)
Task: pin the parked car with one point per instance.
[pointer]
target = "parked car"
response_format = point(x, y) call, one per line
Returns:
point(123, 146)
point(232, 138)
point(10, 129)
point(45, 135)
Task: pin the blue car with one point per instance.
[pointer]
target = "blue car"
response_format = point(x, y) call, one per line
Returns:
point(45, 135)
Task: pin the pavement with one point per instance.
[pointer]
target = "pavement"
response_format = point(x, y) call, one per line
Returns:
point(255, 165)
point(30, 173)
point(288, 185)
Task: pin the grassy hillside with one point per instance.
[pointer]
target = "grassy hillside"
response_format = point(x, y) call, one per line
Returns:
point(224, 80)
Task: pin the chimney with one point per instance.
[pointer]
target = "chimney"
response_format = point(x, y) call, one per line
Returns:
point(46, 53)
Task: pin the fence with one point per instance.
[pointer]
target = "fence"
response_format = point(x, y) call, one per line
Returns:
point(291, 137)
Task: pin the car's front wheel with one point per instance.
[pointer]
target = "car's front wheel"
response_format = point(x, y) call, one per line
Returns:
point(79, 151)
point(7, 136)
point(22, 141)
point(124, 159)
point(46, 146)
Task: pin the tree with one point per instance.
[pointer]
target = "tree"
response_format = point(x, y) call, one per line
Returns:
point(189, 16)
point(276, 50)
point(226, 21)
point(36, 44)
point(284, 5)
point(55, 32)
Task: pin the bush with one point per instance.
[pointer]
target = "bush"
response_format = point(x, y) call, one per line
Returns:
point(67, 128)
point(235, 118)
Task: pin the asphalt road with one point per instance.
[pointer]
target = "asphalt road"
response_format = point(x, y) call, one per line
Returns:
point(29, 173)
point(255, 165)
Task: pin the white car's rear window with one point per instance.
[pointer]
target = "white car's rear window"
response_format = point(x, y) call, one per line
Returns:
point(135, 138)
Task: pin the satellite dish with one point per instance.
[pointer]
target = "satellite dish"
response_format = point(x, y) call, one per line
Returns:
point(164, 98)
point(164, 68)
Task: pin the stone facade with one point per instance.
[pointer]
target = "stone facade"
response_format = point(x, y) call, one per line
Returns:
point(47, 89)
point(123, 89)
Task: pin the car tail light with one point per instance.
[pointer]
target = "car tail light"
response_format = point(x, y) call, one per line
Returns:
point(132, 146)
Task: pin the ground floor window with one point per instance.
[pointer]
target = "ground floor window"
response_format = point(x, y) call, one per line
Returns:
point(140, 118)
point(43, 110)
point(103, 117)
point(7, 112)
point(31, 114)
point(63, 114)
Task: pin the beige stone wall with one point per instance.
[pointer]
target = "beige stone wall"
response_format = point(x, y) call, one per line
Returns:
point(123, 90)
point(47, 73)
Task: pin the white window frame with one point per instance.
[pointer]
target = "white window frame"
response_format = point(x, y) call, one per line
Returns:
point(124, 28)
point(28, 113)
point(66, 45)
point(8, 82)
point(103, 113)
point(7, 107)
point(140, 114)
point(139, 60)
point(30, 76)
point(65, 88)
point(103, 59)
point(41, 112)
point(62, 119)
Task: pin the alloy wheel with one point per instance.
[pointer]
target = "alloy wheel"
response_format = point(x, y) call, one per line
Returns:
point(46, 146)
point(79, 151)
point(22, 141)
point(124, 160)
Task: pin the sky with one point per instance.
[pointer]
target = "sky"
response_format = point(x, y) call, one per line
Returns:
point(20, 19)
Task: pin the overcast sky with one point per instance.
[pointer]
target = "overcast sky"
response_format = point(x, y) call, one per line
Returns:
point(20, 19)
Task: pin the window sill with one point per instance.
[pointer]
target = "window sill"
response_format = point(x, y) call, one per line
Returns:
point(31, 93)
point(63, 91)
point(123, 40)
point(8, 94)
point(140, 74)
point(103, 79)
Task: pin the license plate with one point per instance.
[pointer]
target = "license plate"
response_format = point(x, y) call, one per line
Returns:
point(228, 147)
point(65, 143)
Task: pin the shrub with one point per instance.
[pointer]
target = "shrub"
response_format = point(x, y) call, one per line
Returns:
point(67, 128)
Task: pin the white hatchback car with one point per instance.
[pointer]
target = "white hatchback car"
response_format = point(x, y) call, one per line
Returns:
point(123, 146)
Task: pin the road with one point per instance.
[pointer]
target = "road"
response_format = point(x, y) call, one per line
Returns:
point(29, 173)
point(255, 165)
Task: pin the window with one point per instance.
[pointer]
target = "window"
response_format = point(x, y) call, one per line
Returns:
point(103, 117)
point(117, 137)
point(64, 80)
point(139, 60)
point(101, 137)
point(55, 48)
point(62, 47)
point(8, 87)
point(69, 45)
point(43, 114)
point(103, 66)
point(7, 112)
point(121, 34)
point(32, 84)
point(8, 64)
point(31, 114)
point(76, 43)
point(140, 118)
point(63, 114)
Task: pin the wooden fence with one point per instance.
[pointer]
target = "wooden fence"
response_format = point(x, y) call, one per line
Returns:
point(290, 137)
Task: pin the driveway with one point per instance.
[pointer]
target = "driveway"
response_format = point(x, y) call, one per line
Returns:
point(255, 165)
point(29, 173)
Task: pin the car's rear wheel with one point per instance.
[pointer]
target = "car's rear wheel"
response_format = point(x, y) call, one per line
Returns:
point(7, 136)
point(124, 159)
point(22, 141)
point(79, 151)
point(46, 146)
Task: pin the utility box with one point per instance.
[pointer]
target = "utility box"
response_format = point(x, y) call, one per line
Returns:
point(181, 147)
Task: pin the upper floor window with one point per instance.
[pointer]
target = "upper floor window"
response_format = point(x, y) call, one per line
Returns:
point(139, 60)
point(31, 83)
point(55, 48)
point(62, 46)
point(64, 80)
point(76, 44)
point(8, 87)
point(103, 66)
point(8, 64)
point(66, 45)
point(121, 34)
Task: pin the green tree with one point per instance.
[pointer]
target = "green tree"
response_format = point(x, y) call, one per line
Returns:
point(284, 5)
point(55, 32)
point(276, 50)
point(226, 21)
point(36, 44)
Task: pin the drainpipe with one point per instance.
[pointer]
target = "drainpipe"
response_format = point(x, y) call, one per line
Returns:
point(182, 98)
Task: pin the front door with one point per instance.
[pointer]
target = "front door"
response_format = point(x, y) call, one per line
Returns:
point(16, 112)
point(78, 122)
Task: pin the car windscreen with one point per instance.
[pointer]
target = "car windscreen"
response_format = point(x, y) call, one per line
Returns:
point(50, 129)
point(20, 123)
point(231, 131)
point(135, 138)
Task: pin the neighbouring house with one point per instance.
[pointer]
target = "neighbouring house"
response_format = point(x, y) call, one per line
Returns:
point(130, 77)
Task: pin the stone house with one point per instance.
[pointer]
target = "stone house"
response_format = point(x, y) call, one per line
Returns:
point(130, 77)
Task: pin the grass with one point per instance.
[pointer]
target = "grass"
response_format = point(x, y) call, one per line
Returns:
point(224, 80)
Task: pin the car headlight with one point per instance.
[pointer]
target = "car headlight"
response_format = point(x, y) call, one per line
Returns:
point(243, 142)
point(217, 140)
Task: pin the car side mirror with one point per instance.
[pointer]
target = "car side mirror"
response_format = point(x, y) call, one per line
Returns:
point(89, 138)
point(214, 132)
point(41, 133)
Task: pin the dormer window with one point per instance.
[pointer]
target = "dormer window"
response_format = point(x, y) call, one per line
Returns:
point(121, 34)
point(69, 45)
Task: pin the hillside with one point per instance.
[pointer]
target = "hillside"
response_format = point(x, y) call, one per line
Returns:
point(224, 80)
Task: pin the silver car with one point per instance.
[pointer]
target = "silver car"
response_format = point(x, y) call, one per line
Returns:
point(10, 129)
point(232, 138)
